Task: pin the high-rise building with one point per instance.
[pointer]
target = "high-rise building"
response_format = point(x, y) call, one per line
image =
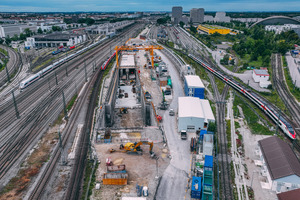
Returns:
point(197, 15)
point(221, 17)
point(176, 14)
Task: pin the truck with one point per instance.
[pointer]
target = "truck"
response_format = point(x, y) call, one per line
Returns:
point(183, 134)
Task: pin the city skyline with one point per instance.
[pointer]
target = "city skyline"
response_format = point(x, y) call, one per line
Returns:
point(135, 5)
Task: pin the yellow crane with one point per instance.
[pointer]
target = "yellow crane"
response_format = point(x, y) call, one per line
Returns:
point(149, 48)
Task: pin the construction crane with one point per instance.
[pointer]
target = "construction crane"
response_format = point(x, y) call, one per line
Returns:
point(135, 147)
point(149, 48)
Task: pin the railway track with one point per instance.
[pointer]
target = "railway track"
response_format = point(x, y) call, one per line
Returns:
point(283, 91)
point(79, 165)
point(28, 129)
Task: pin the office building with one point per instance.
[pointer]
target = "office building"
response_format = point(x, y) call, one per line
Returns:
point(176, 14)
point(197, 15)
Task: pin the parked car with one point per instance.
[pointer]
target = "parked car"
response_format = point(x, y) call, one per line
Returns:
point(171, 112)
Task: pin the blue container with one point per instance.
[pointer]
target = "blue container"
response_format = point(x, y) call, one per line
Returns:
point(208, 161)
point(196, 187)
point(193, 86)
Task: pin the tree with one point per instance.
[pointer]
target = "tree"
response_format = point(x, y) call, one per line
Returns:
point(181, 23)
point(282, 47)
point(193, 29)
point(212, 126)
point(40, 31)
point(56, 28)
point(1, 41)
point(28, 32)
point(15, 37)
point(89, 21)
point(7, 40)
point(22, 36)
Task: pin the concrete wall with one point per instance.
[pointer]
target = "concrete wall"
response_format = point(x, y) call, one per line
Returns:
point(184, 122)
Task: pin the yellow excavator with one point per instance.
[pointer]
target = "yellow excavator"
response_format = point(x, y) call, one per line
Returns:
point(135, 147)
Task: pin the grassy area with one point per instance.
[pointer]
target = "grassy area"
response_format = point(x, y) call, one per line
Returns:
point(88, 172)
point(69, 106)
point(232, 175)
point(251, 117)
point(274, 99)
point(295, 92)
point(71, 102)
point(237, 125)
point(43, 64)
point(4, 52)
point(228, 134)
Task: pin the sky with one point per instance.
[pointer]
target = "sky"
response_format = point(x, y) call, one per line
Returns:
point(149, 5)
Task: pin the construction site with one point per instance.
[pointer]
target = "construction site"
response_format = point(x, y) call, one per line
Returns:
point(130, 144)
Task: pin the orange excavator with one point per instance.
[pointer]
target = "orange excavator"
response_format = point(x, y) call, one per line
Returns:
point(135, 147)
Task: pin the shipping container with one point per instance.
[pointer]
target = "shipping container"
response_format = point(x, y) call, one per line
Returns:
point(115, 179)
point(193, 86)
point(196, 187)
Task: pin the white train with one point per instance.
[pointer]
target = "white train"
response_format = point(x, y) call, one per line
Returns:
point(25, 83)
point(277, 119)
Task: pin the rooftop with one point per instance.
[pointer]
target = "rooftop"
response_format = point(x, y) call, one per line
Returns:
point(208, 161)
point(55, 36)
point(279, 157)
point(127, 60)
point(194, 107)
point(261, 72)
point(290, 195)
point(194, 81)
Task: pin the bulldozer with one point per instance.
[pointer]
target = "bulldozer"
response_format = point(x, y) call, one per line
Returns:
point(135, 147)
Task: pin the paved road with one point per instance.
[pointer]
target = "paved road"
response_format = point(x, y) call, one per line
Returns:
point(175, 178)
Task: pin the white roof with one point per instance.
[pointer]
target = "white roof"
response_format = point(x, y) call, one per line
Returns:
point(127, 61)
point(194, 107)
point(194, 81)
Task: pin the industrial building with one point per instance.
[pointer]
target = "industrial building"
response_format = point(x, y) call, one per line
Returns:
point(261, 76)
point(14, 29)
point(194, 114)
point(211, 29)
point(176, 14)
point(280, 165)
point(197, 15)
point(55, 40)
point(108, 28)
point(193, 86)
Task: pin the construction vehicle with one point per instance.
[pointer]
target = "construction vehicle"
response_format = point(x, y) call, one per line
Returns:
point(159, 118)
point(135, 147)
point(123, 110)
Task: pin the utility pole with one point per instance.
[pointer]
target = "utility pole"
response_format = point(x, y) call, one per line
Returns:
point(65, 107)
point(63, 159)
point(15, 103)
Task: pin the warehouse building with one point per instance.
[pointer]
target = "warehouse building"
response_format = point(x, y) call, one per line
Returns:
point(193, 86)
point(55, 40)
point(14, 29)
point(194, 114)
point(211, 29)
point(280, 165)
point(261, 76)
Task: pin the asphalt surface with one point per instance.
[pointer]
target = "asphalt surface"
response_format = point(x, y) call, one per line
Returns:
point(174, 181)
